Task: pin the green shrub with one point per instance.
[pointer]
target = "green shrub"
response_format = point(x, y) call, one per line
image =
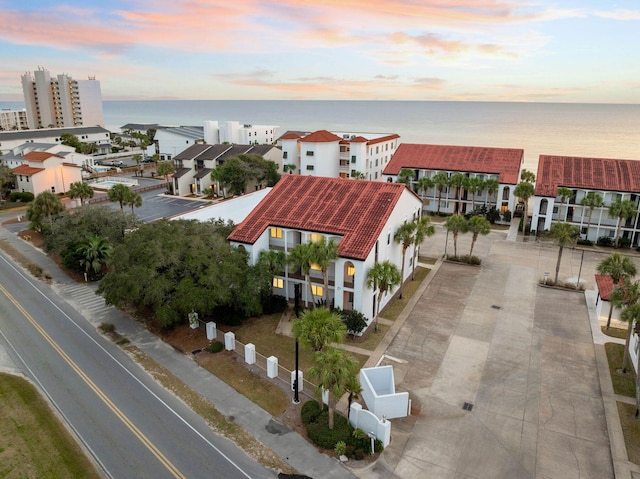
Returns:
point(107, 327)
point(624, 243)
point(341, 448)
point(310, 411)
point(274, 303)
point(507, 216)
point(35, 270)
point(585, 242)
point(320, 434)
point(122, 341)
point(214, 347)
point(355, 322)
point(604, 241)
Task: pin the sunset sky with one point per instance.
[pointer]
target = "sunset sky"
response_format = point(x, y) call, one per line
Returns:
point(494, 50)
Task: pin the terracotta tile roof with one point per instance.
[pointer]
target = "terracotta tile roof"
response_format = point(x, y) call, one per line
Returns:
point(589, 173)
point(357, 139)
point(357, 210)
point(27, 170)
point(320, 136)
point(502, 161)
point(605, 285)
point(39, 155)
point(290, 135)
point(379, 140)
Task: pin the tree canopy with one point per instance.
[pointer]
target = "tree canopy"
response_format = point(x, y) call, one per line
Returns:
point(236, 172)
point(169, 268)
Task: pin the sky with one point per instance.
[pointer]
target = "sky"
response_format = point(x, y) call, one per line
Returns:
point(585, 51)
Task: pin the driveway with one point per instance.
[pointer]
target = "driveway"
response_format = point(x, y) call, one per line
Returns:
point(519, 355)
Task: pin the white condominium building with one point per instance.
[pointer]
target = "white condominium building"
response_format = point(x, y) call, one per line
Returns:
point(61, 101)
point(13, 119)
point(235, 133)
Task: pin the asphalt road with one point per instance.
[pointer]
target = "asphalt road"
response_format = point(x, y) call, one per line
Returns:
point(131, 426)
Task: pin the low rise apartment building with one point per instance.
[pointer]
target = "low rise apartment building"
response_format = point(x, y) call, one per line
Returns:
point(44, 171)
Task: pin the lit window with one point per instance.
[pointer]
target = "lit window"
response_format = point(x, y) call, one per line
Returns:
point(317, 290)
point(316, 237)
point(351, 270)
point(278, 283)
point(276, 232)
point(315, 266)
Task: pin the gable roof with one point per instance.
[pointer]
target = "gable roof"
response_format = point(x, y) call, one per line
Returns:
point(589, 173)
point(356, 210)
point(504, 162)
point(320, 136)
point(27, 170)
point(605, 285)
point(51, 132)
point(40, 156)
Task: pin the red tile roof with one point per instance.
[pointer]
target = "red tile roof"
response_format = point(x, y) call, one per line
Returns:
point(589, 173)
point(39, 155)
point(26, 170)
point(378, 140)
point(605, 285)
point(357, 210)
point(320, 136)
point(502, 161)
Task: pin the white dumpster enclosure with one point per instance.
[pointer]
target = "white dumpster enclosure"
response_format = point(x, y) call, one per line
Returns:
point(379, 393)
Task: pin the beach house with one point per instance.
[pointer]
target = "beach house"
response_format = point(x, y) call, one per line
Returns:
point(44, 171)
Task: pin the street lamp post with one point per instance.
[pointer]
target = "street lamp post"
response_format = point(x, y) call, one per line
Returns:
point(296, 309)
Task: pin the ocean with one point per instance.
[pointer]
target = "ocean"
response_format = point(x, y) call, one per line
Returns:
point(593, 130)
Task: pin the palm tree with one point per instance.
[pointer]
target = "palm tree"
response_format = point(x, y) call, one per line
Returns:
point(619, 267)
point(456, 224)
point(441, 181)
point(119, 193)
point(565, 235)
point(45, 204)
point(477, 225)
point(591, 200)
point(273, 260)
point(565, 194)
point(491, 185)
point(81, 190)
point(332, 368)
point(528, 176)
point(95, 253)
point(319, 327)
point(405, 235)
point(524, 190)
point(165, 169)
point(354, 389)
point(424, 229)
point(357, 175)
point(623, 210)
point(629, 315)
point(384, 277)
point(133, 199)
point(424, 184)
point(405, 176)
point(457, 180)
point(290, 167)
point(322, 254)
point(474, 186)
point(300, 259)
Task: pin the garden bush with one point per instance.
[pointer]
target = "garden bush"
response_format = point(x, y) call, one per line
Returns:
point(310, 411)
point(274, 303)
point(507, 216)
point(214, 347)
point(320, 434)
point(624, 243)
point(585, 242)
point(355, 322)
point(21, 196)
point(605, 241)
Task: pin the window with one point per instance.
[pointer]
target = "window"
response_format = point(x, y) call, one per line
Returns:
point(276, 232)
point(388, 238)
point(377, 150)
point(310, 167)
point(309, 153)
point(315, 266)
point(284, 154)
point(278, 283)
point(351, 270)
point(315, 237)
point(353, 158)
point(317, 290)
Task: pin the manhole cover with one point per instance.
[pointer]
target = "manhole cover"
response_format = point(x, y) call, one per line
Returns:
point(467, 406)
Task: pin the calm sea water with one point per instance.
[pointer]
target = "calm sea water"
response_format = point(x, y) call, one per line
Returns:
point(595, 130)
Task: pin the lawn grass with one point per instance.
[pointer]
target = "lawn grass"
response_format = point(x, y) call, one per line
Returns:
point(622, 384)
point(33, 441)
point(631, 430)
point(397, 305)
point(370, 343)
point(614, 332)
point(216, 420)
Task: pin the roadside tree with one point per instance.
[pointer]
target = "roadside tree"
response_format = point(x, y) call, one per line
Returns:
point(318, 328)
point(622, 210)
point(81, 190)
point(45, 205)
point(565, 235)
point(382, 277)
point(619, 267)
point(477, 225)
point(456, 224)
point(166, 169)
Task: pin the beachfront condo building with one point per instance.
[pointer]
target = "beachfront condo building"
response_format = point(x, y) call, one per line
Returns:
point(61, 101)
point(439, 164)
point(595, 184)
point(13, 119)
point(353, 155)
point(236, 133)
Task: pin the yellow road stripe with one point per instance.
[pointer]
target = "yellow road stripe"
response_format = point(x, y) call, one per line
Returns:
point(127, 422)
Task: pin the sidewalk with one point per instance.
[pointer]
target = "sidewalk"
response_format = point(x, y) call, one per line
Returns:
point(289, 445)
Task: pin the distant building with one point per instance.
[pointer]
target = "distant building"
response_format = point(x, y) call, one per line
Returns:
point(16, 156)
point(86, 134)
point(610, 179)
point(239, 134)
point(45, 171)
point(338, 154)
point(172, 140)
point(425, 161)
point(61, 101)
point(13, 119)
point(194, 165)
